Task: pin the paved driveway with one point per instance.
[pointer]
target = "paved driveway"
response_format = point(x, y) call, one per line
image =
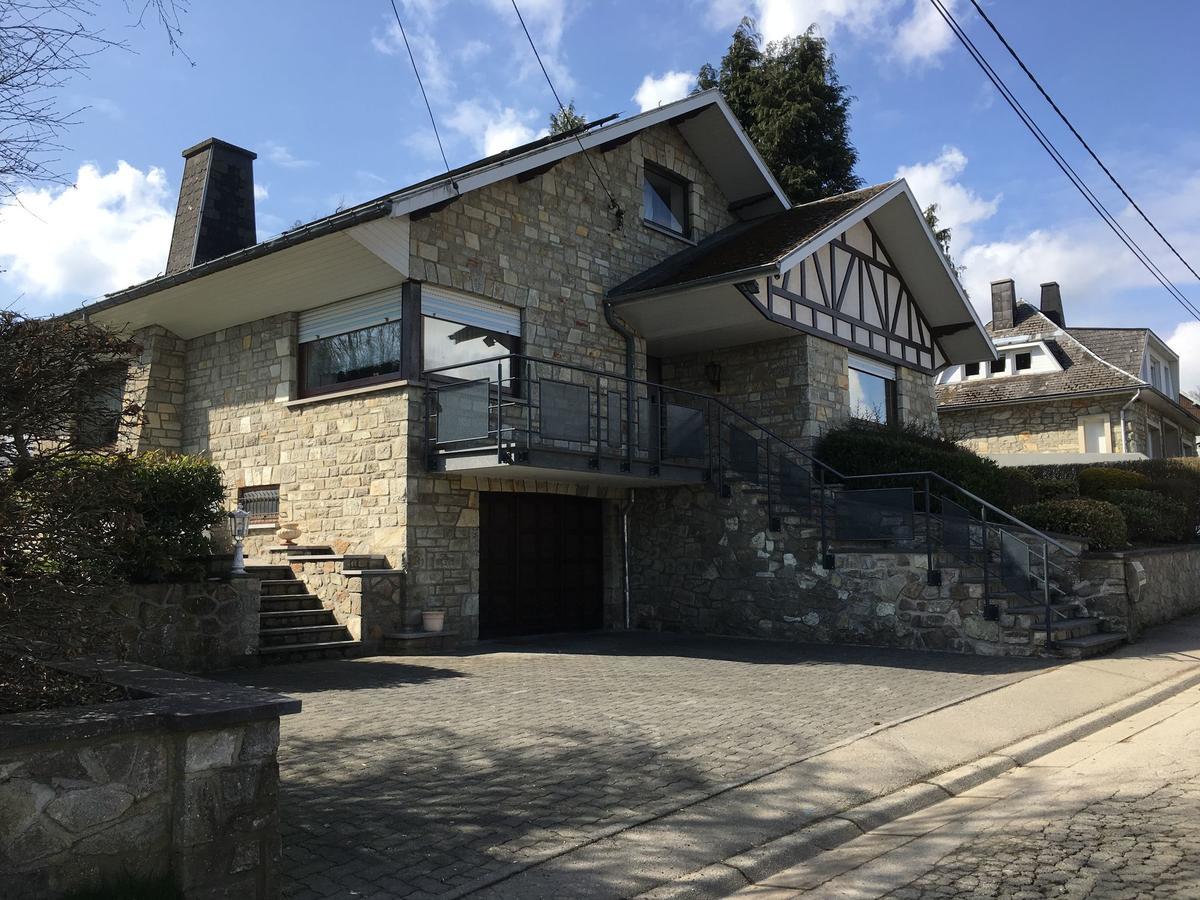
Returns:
point(427, 776)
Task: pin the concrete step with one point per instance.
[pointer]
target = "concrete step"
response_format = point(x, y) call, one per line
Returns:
point(291, 653)
point(301, 634)
point(419, 643)
point(277, 587)
point(295, 618)
point(302, 549)
point(1091, 644)
point(270, 571)
point(1065, 629)
point(290, 602)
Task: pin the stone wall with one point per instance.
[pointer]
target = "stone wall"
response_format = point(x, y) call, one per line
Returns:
point(156, 384)
point(182, 783)
point(197, 627)
point(1049, 427)
point(369, 603)
point(1135, 589)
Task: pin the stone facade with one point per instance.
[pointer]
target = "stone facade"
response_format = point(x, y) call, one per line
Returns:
point(182, 784)
point(156, 384)
point(1051, 426)
point(198, 627)
point(1135, 589)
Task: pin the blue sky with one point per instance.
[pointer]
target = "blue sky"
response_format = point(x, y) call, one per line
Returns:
point(325, 95)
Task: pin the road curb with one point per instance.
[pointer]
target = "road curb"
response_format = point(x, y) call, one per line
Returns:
point(735, 872)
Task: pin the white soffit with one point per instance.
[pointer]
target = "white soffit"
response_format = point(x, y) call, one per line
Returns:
point(387, 239)
point(307, 275)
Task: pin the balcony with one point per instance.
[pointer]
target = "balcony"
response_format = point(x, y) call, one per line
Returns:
point(534, 418)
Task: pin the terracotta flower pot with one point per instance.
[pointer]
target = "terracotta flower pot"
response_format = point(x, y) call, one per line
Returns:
point(433, 619)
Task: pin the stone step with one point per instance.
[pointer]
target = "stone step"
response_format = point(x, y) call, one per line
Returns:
point(1091, 644)
point(302, 634)
point(1033, 615)
point(1064, 629)
point(290, 653)
point(270, 571)
point(302, 549)
point(278, 587)
point(290, 602)
point(286, 618)
point(418, 643)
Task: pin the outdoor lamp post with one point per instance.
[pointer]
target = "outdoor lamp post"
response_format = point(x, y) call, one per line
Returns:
point(240, 520)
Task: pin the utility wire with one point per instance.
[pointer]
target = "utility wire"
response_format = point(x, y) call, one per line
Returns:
point(1024, 68)
point(1062, 163)
point(612, 201)
point(420, 84)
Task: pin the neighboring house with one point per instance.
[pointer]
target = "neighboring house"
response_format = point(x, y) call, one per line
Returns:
point(1062, 394)
point(518, 382)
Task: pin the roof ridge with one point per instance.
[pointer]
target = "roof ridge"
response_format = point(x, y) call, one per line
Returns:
point(1086, 349)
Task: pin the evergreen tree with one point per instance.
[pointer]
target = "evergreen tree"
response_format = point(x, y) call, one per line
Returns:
point(566, 119)
point(941, 233)
point(788, 98)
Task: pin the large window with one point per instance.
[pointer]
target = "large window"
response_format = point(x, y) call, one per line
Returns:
point(100, 424)
point(350, 344)
point(665, 200)
point(459, 329)
point(872, 390)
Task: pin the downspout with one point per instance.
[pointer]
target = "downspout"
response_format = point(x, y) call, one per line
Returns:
point(1124, 433)
point(625, 507)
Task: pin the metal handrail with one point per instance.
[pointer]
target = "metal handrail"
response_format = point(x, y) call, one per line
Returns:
point(984, 504)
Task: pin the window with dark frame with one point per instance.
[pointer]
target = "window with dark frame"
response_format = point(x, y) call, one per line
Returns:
point(1024, 361)
point(262, 502)
point(872, 396)
point(352, 343)
point(458, 329)
point(972, 369)
point(665, 200)
point(999, 365)
point(100, 425)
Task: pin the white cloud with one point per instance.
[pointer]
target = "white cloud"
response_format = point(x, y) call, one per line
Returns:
point(1185, 340)
point(938, 182)
point(547, 22)
point(924, 35)
point(912, 31)
point(431, 61)
point(472, 50)
point(654, 91)
point(108, 231)
point(261, 192)
point(282, 156)
point(493, 129)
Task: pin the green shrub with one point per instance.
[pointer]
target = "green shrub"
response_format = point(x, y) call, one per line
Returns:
point(1056, 489)
point(178, 499)
point(1098, 481)
point(1152, 518)
point(863, 448)
point(1098, 522)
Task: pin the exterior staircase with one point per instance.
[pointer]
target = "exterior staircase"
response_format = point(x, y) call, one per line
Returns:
point(293, 625)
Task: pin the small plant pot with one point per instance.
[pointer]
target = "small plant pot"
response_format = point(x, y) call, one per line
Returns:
point(433, 620)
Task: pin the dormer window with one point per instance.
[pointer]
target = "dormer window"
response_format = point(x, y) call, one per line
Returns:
point(665, 200)
point(972, 369)
point(1023, 361)
point(999, 365)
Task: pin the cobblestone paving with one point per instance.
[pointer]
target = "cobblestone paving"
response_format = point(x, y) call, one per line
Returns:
point(415, 776)
point(1115, 816)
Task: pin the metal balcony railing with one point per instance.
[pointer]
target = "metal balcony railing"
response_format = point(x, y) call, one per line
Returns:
point(544, 412)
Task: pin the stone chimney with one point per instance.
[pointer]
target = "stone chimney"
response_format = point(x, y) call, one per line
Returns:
point(1052, 307)
point(215, 215)
point(1004, 301)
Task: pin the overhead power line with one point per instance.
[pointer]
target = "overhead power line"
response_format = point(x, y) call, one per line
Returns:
point(612, 201)
point(1024, 68)
point(412, 59)
point(1076, 180)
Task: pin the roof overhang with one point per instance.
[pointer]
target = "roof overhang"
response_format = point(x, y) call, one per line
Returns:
point(896, 217)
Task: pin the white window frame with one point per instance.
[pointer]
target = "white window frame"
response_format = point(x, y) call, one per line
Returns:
point(1084, 421)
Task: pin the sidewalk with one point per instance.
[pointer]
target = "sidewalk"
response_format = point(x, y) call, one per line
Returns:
point(1112, 815)
point(722, 843)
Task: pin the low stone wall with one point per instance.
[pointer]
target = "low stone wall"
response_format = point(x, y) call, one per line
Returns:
point(1135, 589)
point(182, 782)
point(367, 599)
point(196, 627)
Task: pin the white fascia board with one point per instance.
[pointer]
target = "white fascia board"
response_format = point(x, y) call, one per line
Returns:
point(429, 195)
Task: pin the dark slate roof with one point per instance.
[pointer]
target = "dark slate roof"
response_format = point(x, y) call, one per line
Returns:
point(1083, 372)
point(749, 245)
point(1123, 347)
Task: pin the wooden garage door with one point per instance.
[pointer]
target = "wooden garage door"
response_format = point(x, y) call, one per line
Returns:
point(540, 564)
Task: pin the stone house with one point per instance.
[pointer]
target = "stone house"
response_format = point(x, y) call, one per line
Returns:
point(521, 390)
point(1067, 394)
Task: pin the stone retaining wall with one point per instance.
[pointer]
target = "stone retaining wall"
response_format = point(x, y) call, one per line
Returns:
point(197, 627)
point(1135, 589)
point(183, 782)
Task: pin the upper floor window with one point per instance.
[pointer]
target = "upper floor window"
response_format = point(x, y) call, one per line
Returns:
point(459, 329)
point(998, 365)
point(1160, 375)
point(972, 369)
point(351, 343)
point(665, 200)
point(1023, 361)
point(872, 390)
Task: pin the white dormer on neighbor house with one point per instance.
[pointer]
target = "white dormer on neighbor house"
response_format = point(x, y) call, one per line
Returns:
point(1077, 393)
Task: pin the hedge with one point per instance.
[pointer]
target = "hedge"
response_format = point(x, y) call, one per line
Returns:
point(1100, 523)
point(864, 448)
point(1097, 481)
point(1150, 517)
